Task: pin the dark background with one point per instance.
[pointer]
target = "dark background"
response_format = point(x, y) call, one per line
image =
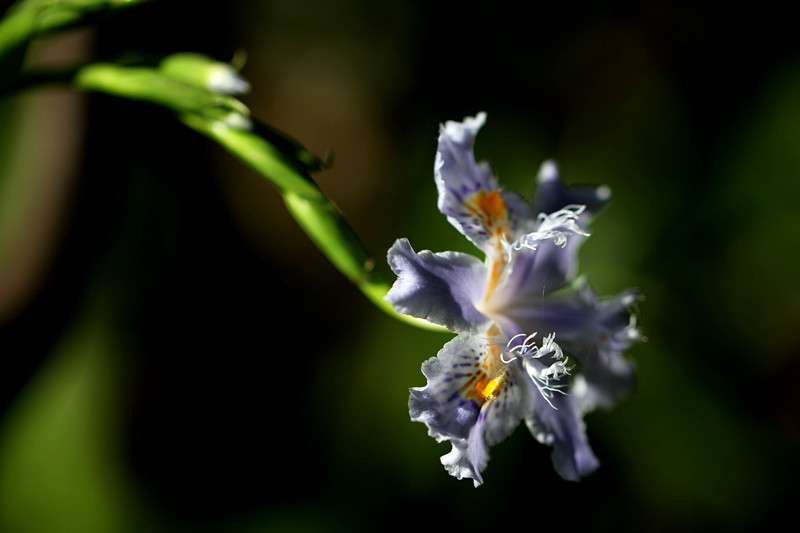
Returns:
point(185, 359)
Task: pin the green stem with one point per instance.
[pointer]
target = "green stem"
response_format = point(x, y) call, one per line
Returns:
point(28, 19)
point(276, 157)
point(281, 160)
point(314, 212)
point(285, 171)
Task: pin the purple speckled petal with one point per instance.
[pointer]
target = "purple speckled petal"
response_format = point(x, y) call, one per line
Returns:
point(464, 186)
point(452, 410)
point(439, 287)
point(500, 416)
point(440, 404)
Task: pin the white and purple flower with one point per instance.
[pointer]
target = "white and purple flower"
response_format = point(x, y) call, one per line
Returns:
point(493, 374)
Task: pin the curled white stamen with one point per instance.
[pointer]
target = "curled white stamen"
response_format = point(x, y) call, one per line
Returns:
point(521, 349)
point(503, 359)
point(549, 345)
point(524, 346)
point(542, 381)
point(558, 369)
point(566, 220)
point(568, 216)
point(527, 350)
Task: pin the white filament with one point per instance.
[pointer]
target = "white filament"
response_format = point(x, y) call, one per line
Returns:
point(566, 220)
point(527, 350)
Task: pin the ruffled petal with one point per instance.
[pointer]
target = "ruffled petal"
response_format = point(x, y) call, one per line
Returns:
point(557, 421)
point(442, 404)
point(606, 377)
point(438, 287)
point(468, 191)
point(467, 404)
point(552, 195)
point(606, 374)
point(462, 463)
point(593, 331)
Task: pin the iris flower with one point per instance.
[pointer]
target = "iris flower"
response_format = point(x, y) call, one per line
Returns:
point(533, 342)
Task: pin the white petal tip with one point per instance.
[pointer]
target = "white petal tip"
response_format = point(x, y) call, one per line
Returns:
point(458, 131)
point(226, 80)
point(548, 171)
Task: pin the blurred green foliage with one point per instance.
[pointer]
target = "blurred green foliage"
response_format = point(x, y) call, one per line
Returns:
point(191, 362)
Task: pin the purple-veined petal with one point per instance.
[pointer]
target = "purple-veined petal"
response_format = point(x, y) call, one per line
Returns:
point(456, 173)
point(441, 404)
point(496, 421)
point(469, 195)
point(438, 287)
point(552, 195)
point(472, 399)
point(498, 418)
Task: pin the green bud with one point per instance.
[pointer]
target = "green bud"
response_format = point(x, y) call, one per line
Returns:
point(202, 71)
point(148, 84)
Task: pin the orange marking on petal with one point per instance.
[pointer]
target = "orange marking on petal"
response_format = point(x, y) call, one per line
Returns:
point(485, 385)
point(466, 385)
point(490, 207)
point(494, 275)
point(490, 388)
point(485, 388)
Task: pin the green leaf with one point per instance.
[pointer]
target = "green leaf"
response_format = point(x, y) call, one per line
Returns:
point(147, 84)
point(31, 18)
point(61, 466)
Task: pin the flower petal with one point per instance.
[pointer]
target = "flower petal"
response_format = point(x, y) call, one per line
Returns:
point(439, 287)
point(441, 404)
point(460, 463)
point(552, 195)
point(544, 260)
point(468, 191)
point(556, 421)
point(465, 404)
point(501, 415)
point(606, 375)
point(498, 418)
point(593, 331)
